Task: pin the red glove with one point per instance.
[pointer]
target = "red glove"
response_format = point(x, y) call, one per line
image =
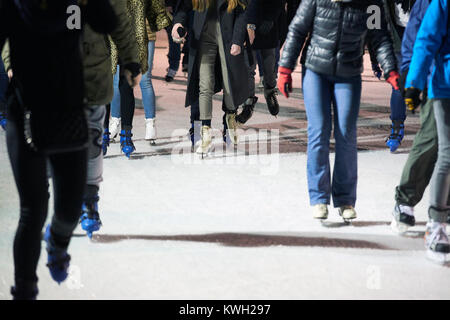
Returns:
point(285, 81)
point(393, 79)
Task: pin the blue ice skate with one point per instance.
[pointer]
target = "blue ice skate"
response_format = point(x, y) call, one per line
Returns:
point(126, 144)
point(397, 133)
point(58, 259)
point(105, 141)
point(90, 219)
point(3, 120)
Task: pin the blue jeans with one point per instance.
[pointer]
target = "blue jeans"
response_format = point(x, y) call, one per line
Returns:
point(398, 107)
point(148, 94)
point(174, 51)
point(321, 92)
point(4, 81)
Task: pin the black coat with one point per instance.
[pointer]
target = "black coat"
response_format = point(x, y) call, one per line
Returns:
point(338, 35)
point(233, 26)
point(259, 11)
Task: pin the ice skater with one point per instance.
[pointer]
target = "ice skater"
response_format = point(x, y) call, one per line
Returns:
point(216, 60)
point(433, 42)
point(333, 63)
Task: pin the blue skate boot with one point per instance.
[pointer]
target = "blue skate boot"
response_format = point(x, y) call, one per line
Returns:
point(105, 141)
point(58, 259)
point(397, 133)
point(90, 219)
point(126, 144)
point(3, 120)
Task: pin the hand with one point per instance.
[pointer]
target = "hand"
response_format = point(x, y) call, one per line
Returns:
point(412, 98)
point(235, 50)
point(175, 35)
point(285, 81)
point(251, 35)
point(393, 79)
point(265, 27)
point(10, 74)
point(132, 81)
point(377, 71)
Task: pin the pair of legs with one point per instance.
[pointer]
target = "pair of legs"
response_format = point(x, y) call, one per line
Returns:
point(148, 93)
point(30, 174)
point(325, 97)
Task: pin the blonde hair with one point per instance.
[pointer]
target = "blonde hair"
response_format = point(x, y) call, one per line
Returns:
point(201, 5)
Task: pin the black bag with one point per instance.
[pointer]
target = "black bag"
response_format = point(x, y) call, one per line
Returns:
point(50, 130)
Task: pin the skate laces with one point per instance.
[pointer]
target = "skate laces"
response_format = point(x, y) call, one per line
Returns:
point(436, 234)
point(406, 209)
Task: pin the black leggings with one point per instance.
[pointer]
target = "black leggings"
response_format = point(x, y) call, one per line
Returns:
point(127, 103)
point(30, 173)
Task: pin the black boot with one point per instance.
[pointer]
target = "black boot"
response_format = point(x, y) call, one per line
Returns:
point(247, 110)
point(24, 290)
point(272, 101)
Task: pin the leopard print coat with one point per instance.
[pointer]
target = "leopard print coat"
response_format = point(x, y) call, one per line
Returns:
point(139, 11)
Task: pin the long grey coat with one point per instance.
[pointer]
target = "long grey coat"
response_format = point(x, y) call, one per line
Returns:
point(233, 27)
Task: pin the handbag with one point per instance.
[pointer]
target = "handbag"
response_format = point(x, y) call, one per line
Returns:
point(50, 130)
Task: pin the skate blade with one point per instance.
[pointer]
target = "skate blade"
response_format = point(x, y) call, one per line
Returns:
point(398, 227)
point(437, 257)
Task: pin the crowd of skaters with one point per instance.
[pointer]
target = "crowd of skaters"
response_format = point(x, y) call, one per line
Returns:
point(85, 98)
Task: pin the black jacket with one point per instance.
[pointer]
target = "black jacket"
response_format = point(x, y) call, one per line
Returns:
point(338, 32)
point(263, 11)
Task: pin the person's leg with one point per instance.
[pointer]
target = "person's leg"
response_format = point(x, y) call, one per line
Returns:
point(174, 56)
point(317, 97)
point(4, 81)
point(127, 106)
point(30, 174)
point(249, 105)
point(440, 181)
point(90, 220)
point(270, 80)
point(207, 59)
point(148, 93)
point(115, 103)
point(419, 167)
point(347, 97)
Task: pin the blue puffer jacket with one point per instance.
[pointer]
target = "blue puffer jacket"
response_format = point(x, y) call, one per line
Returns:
point(409, 36)
point(433, 41)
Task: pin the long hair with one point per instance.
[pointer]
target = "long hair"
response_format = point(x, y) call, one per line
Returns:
point(201, 5)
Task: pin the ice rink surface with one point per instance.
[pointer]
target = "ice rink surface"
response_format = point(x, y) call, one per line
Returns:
point(237, 226)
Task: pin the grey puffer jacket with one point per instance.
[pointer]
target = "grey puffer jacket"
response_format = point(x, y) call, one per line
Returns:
point(337, 33)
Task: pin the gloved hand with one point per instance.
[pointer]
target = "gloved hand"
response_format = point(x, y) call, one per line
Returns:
point(412, 98)
point(285, 81)
point(377, 71)
point(393, 79)
point(265, 27)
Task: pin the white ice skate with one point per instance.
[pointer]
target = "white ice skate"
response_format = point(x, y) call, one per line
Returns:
point(150, 130)
point(114, 127)
point(320, 211)
point(436, 242)
point(232, 127)
point(403, 219)
point(205, 146)
point(347, 213)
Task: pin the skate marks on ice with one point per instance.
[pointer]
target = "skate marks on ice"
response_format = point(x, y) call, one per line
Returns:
point(310, 239)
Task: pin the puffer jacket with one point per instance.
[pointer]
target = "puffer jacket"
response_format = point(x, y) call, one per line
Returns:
point(337, 35)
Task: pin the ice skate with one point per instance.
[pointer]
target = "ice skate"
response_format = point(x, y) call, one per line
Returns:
point(347, 213)
point(403, 218)
point(272, 101)
point(195, 134)
point(261, 83)
point(126, 144)
point(114, 127)
point(170, 75)
point(3, 120)
point(320, 211)
point(206, 141)
point(58, 259)
point(105, 141)
point(150, 130)
point(231, 127)
point(436, 242)
point(247, 110)
point(90, 219)
point(397, 133)
point(25, 291)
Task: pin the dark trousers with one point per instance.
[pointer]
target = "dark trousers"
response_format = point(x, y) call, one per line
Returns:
point(127, 103)
point(419, 167)
point(30, 174)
